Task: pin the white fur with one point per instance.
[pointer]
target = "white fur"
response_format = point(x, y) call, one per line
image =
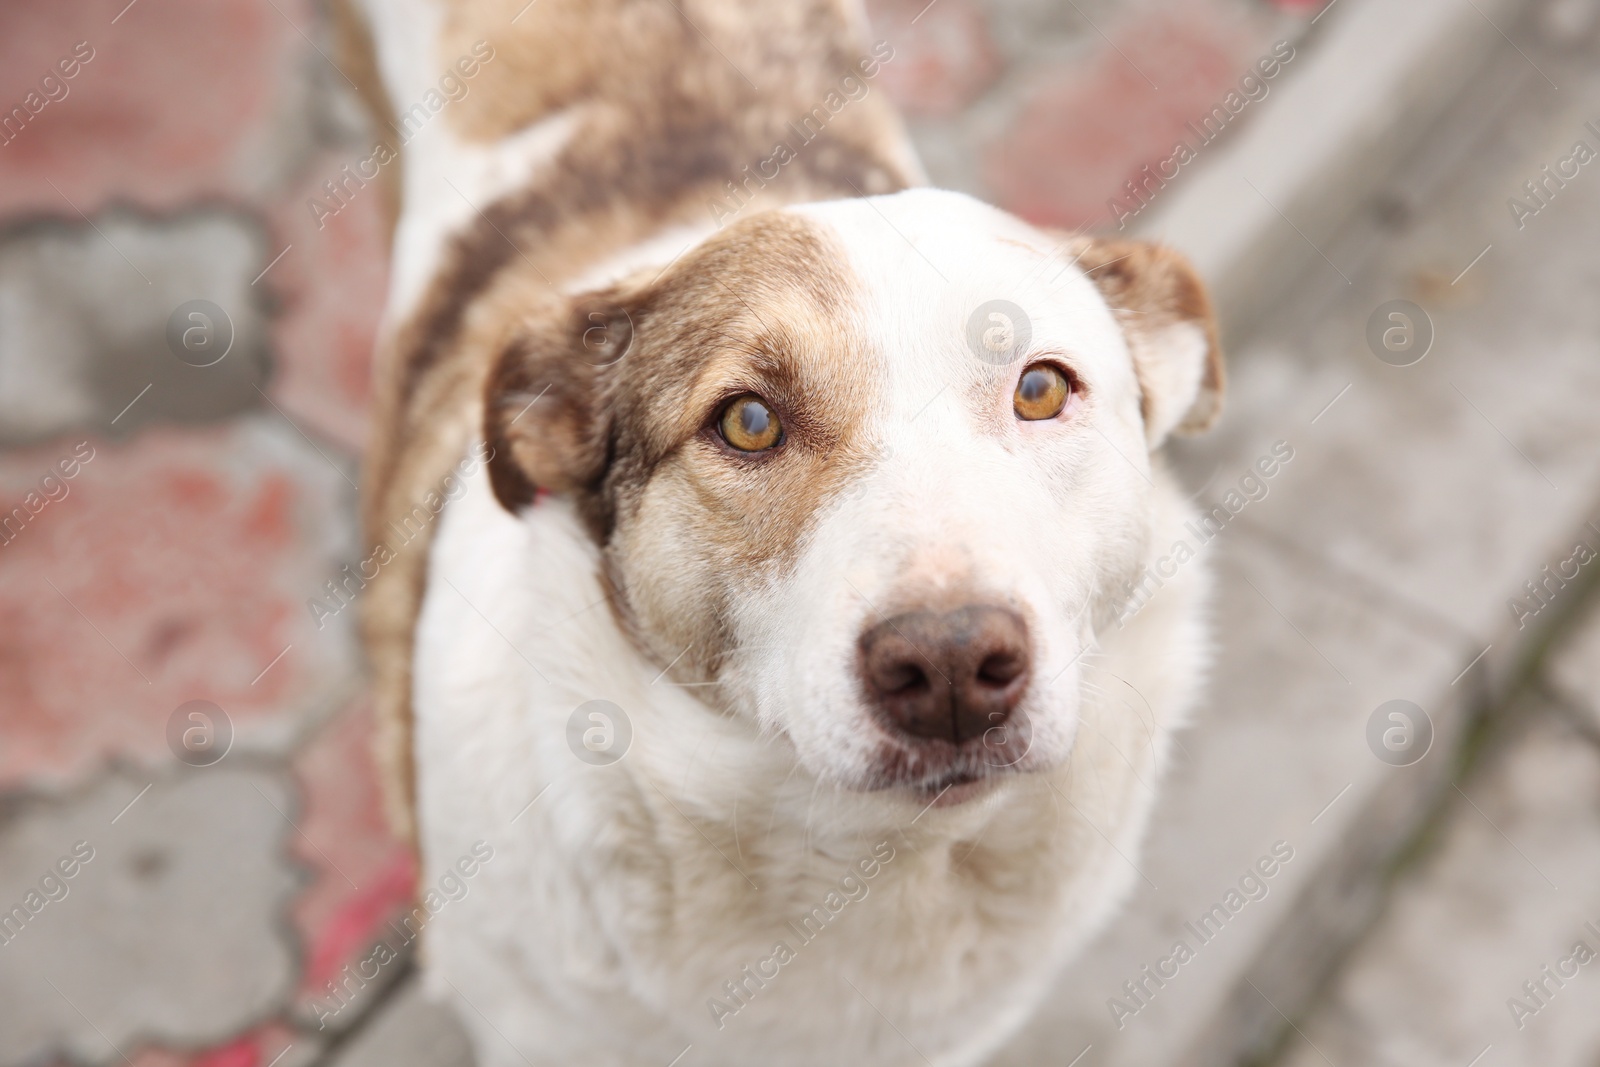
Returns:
point(1174, 367)
point(446, 181)
point(619, 903)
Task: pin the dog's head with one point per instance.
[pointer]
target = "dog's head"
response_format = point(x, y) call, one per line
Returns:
point(870, 471)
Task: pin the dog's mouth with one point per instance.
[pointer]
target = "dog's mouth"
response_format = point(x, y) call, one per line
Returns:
point(945, 783)
point(941, 774)
point(955, 787)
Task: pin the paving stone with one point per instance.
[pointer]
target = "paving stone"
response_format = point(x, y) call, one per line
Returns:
point(178, 102)
point(1511, 886)
point(944, 55)
point(411, 1030)
point(176, 567)
point(1375, 82)
point(331, 284)
point(1085, 131)
point(1574, 669)
point(271, 1045)
point(362, 877)
point(1034, 42)
point(169, 929)
point(1569, 21)
point(96, 312)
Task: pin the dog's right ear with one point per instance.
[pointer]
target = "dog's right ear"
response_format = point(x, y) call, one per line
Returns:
point(1161, 303)
point(544, 418)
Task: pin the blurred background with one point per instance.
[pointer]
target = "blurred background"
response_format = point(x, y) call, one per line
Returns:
point(1398, 203)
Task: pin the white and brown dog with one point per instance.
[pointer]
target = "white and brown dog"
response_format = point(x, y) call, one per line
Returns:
point(832, 489)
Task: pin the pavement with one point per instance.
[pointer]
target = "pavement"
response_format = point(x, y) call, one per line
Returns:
point(187, 739)
point(1413, 552)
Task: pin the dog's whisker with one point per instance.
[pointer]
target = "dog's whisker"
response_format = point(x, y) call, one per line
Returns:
point(772, 816)
point(674, 663)
point(816, 787)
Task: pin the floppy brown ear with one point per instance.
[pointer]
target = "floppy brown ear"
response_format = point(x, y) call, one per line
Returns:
point(1166, 315)
point(543, 415)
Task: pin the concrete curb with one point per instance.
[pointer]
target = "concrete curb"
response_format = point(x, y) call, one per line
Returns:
point(1375, 76)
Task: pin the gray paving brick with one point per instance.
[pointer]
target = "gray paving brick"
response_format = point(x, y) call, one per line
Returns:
point(172, 931)
point(86, 314)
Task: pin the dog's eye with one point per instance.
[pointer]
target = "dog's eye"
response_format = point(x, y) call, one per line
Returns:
point(1042, 392)
point(749, 425)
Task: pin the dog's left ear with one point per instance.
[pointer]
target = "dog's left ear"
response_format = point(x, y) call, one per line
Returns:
point(545, 412)
point(1165, 312)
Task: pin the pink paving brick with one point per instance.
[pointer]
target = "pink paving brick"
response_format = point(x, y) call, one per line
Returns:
point(944, 56)
point(174, 104)
point(331, 284)
point(256, 1048)
point(363, 875)
point(1083, 133)
point(158, 1057)
point(175, 568)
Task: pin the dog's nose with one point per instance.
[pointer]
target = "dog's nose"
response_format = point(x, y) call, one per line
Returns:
point(946, 675)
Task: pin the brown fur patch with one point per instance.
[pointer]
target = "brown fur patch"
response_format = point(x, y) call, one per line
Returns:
point(1150, 286)
point(682, 519)
point(752, 56)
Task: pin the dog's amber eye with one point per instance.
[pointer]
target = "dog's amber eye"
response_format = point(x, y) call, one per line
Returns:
point(1042, 392)
point(749, 425)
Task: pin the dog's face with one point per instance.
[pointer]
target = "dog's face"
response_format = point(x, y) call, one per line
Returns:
point(870, 472)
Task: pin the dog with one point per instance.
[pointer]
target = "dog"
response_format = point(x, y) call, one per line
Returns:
point(771, 521)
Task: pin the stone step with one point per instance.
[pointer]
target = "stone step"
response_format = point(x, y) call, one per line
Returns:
point(1455, 972)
